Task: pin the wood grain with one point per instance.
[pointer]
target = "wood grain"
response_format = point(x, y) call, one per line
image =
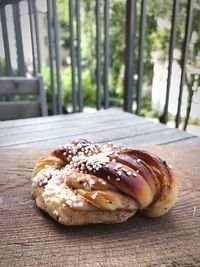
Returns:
point(18, 86)
point(19, 109)
point(30, 238)
point(35, 121)
point(65, 129)
point(111, 125)
point(68, 123)
point(21, 86)
point(96, 133)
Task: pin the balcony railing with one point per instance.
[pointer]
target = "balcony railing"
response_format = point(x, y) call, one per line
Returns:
point(75, 51)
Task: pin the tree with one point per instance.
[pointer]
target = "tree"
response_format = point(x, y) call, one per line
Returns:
point(157, 39)
point(193, 64)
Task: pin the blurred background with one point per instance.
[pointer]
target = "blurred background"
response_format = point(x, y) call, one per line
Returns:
point(74, 38)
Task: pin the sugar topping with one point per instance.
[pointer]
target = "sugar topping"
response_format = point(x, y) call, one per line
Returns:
point(79, 147)
point(91, 163)
point(94, 195)
point(85, 156)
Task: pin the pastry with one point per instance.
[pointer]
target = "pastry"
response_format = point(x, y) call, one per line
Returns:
point(80, 183)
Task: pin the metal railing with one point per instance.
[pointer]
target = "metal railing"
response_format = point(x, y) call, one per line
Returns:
point(77, 95)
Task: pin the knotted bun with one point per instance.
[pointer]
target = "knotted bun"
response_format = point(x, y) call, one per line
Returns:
point(81, 183)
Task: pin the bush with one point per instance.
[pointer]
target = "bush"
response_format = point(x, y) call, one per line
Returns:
point(89, 89)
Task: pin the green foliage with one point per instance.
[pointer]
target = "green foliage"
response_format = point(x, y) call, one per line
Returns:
point(157, 38)
point(117, 46)
point(194, 121)
point(88, 89)
point(66, 85)
point(47, 86)
point(2, 67)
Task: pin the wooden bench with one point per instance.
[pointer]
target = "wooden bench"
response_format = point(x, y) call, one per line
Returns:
point(22, 88)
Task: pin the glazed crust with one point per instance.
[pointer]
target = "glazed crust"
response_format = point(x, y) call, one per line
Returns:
point(81, 183)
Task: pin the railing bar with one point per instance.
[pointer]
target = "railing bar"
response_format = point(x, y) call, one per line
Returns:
point(57, 54)
point(4, 3)
point(78, 30)
point(49, 22)
point(18, 36)
point(32, 39)
point(3, 22)
point(188, 27)
point(72, 53)
point(164, 117)
point(19, 43)
point(141, 55)
point(6, 48)
point(129, 53)
point(107, 53)
point(6, 42)
point(98, 55)
point(37, 35)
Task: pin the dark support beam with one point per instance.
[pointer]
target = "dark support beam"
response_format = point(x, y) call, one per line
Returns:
point(37, 36)
point(98, 55)
point(30, 8)
point(188, 28)
point(164, 117)
point(57, 55)
point(141, 55)
point(129, 54)
point(49, 20)
point(6, 42)
point(19, 43)
point(72, 53)
point(106, 53)
point(78, 30)
point(8, 2)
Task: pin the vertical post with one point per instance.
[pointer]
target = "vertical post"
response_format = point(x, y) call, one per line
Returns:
point(98, 55)
point(57, 54)
point(49, 20)
point(78, 30)
point(141, 55)
point(37, 35)
point(72, 53)
point(32, 39)
point(188, 27)
point(129, 53)
point(106, 53)
point(18, 36)
point(6, 41)
point(164, 117)
point(43, 100)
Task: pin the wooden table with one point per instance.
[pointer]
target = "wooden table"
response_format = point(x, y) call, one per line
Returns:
point(111, 125)
point(30, 238)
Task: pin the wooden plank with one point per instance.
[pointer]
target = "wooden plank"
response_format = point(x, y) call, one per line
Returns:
point(18, 86)
point(67, 124)
point(141, 134)
point(191, 140)
point(98, 135)
point(111, 125)
point(29, 238)
point(155, 138)
point(51, 119)
point(19, 109)
point(94, 131)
